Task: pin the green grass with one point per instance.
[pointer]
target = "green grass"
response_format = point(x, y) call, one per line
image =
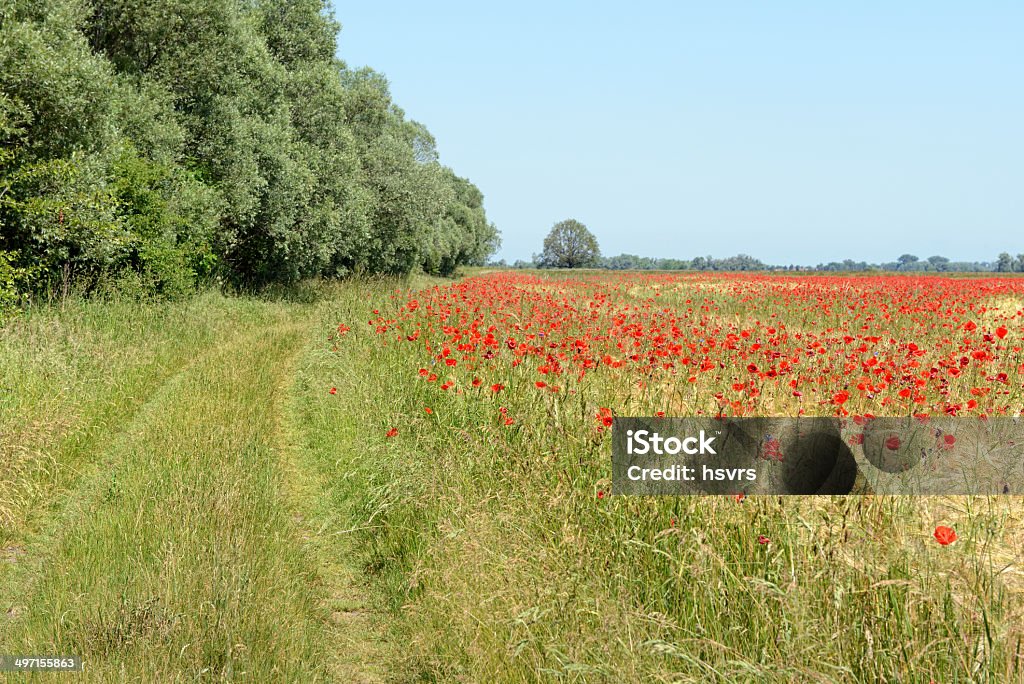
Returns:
point(152, 493)
point(182, 499)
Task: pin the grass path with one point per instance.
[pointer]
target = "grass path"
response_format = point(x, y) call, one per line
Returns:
point(198, 541)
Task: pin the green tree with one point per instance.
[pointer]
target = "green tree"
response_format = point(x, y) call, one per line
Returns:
point(1004, 263)
point(569, 245)
point(175, 139)
point(907, 261)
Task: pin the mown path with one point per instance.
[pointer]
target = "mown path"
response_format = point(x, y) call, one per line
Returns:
point(194, 544)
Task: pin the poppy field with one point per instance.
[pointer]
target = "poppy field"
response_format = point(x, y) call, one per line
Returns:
point(381, 480)
point(505, 555)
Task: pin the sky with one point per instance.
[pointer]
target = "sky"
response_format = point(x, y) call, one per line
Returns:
point(796, 132)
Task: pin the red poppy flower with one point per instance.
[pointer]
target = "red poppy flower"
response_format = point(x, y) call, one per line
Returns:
point(892, 443)
point(763, 540)
point(429, 410)
point(945, 535)
point(1001, 332)
point(497, 387)
point(391, 433)
point(333, 390)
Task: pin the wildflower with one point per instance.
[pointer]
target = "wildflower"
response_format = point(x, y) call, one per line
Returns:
point(945, 535)
point(428, 410)
point(763, 540)
point(497, 387)
point(333, 390)
point(392, 432)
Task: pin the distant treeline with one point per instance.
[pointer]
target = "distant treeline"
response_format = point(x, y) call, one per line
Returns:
point(742, 262)
point(160, 142)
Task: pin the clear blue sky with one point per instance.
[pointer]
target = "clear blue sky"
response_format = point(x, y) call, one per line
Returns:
point(797, 132)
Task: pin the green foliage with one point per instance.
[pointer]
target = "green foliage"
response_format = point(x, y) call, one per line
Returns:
point(10, 279)
point(569, 245)
point(163, 142)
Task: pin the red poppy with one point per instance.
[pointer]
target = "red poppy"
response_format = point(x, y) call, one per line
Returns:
point(391, 433)
point(333, 390)
point(428, 410)
point(892, 443)
point(1001, 332)
point(497, 387)
point(945, 535)
point(763, 540)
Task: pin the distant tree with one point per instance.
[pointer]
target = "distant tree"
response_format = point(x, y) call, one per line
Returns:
point(1004, 264)
point(939, 263)
point(569, 245)
point(1019, 266)
point(906, 261)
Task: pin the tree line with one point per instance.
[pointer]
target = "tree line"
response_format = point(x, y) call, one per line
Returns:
point(570, 244)
point(159, 143)
point(744, 262)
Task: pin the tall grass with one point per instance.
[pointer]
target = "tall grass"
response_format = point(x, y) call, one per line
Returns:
point(148, 526)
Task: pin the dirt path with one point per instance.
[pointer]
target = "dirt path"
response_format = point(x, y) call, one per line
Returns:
point(195, 545)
